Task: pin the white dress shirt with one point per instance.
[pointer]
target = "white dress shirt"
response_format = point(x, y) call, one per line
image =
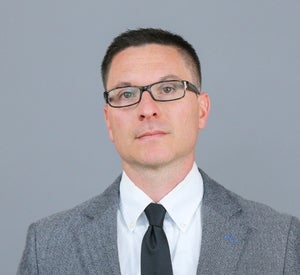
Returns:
point(182, 224)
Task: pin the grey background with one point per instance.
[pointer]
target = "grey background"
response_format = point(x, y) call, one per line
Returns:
point(54, 149)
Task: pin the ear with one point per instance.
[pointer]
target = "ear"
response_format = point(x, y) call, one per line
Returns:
point(107, 121)
point(204, 107)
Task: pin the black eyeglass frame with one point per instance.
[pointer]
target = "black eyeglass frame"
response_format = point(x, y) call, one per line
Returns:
point(188, 86)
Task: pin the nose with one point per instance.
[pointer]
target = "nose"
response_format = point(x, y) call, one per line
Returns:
point(147, 107)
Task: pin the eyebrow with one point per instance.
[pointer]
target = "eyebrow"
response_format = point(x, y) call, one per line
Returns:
point(169, 77)
point(163, 78)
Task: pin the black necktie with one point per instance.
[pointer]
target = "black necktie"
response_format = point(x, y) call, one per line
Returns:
point(155, 257)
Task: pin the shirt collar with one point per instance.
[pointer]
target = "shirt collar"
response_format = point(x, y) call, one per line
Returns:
point(133, 201)
point(181, 203)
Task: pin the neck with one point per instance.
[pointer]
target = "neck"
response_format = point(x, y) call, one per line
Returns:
point(158, 181)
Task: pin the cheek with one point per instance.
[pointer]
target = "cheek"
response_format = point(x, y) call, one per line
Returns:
point(112, 126)
point(119, 129)
point(111, 129)
point(184, 129)
point(115, 131)
point(115, 121)
point(189, 125)
point(188, 117)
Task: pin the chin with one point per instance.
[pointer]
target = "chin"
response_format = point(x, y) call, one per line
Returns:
point(155, 161)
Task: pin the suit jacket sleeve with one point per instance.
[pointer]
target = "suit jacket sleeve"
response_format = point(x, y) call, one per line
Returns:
point(28, 264)
point(292, 257)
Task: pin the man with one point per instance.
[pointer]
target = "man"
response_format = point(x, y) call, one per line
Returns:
point(163, 215)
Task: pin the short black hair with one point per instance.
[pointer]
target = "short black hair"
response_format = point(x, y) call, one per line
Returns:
point(143, 36)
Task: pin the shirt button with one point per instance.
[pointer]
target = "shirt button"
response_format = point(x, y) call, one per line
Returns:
point(132, 225)
point(183, 225)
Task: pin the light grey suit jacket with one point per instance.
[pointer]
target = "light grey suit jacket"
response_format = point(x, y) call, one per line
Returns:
point(239, 237)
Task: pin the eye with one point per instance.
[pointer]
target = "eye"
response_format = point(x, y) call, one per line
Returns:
point(168, 89)
point(122, 94)
point(126, 94)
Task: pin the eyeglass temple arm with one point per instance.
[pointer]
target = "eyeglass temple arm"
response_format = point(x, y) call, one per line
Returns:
point(191, 87)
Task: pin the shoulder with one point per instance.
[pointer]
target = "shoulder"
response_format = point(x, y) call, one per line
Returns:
point(255, 214)
point(71, 219)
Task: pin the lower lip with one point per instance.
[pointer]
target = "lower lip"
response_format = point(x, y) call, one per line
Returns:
point(154, 136)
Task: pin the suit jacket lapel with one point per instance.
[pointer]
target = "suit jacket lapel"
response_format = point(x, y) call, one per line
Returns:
point(97, 237)
point(224, 230)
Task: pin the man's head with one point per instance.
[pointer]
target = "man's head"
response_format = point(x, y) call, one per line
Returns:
point(151, 132)
point(140, 37)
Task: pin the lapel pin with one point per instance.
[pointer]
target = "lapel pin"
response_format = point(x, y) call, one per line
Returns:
point(231, 239)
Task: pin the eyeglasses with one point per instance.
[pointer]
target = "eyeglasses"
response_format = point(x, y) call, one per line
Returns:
point(160, 91)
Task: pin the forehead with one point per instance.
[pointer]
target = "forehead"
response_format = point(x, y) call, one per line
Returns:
point(145, 64)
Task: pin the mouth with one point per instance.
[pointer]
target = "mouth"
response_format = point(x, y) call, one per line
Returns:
point(151, 135)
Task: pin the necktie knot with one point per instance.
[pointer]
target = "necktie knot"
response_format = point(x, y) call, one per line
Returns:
point(155, 214)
